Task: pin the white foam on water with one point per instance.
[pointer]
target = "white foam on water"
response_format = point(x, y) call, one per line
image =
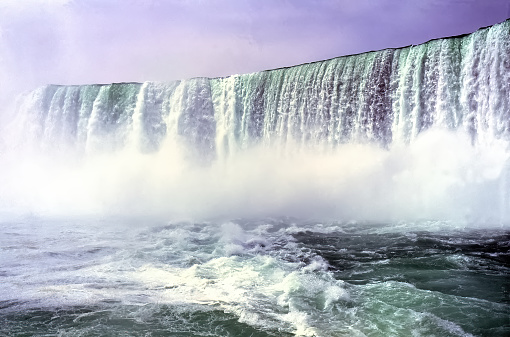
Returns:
point(183, 265)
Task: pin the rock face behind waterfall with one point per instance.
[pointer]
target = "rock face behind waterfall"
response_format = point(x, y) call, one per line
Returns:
point(386, 97)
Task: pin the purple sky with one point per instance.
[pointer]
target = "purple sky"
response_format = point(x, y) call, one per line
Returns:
point(101, 41)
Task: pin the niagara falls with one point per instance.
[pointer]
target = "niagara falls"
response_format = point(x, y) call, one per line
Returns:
point(184, 168)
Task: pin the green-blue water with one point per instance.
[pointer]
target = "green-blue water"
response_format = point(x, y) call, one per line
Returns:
point(267, 277)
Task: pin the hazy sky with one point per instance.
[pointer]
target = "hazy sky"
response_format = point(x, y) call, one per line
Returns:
point(100, 41)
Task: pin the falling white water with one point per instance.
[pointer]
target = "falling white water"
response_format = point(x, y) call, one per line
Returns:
point(415, 133)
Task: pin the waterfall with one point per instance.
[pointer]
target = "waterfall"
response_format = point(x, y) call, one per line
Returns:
point(385, 97)
point(411, 133)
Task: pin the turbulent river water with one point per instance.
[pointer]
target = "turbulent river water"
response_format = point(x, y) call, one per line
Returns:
point(272, 277)
point(366, 195)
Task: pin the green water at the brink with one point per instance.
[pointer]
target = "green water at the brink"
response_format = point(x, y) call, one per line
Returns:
point(254, 278)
